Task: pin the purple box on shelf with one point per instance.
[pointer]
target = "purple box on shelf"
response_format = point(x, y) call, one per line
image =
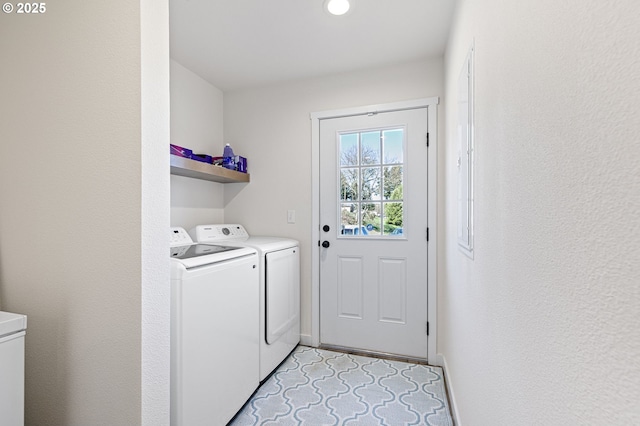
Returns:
point(180, 151)
point(202, 157)
point(241, 164)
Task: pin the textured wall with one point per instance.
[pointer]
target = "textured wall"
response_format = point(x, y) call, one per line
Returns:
point(271, 126)
point(70, 216)
point(155, 213)
point(542, 326)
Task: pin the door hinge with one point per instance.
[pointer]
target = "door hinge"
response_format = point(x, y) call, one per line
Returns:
point(427, 234)
point(427, 139)
point(427, 328)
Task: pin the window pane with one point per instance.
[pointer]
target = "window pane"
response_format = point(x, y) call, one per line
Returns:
point(392, 181)
point(349, 149)
point(393, 146)
point(393, 219)
point(371, 218)
point(370, 148)
point(348, 184)
point(348, 216)
point(371, 183)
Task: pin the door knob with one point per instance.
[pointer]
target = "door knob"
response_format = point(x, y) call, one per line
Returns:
point(325, 244)
point(326, 228)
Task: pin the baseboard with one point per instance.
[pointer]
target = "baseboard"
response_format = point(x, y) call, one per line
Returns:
point(438, 361)
point(306, 340)
point(441, 361)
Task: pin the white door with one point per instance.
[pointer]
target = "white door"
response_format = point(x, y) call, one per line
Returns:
point(373, 231)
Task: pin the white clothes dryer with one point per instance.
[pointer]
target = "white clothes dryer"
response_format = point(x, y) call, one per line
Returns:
point(279, 288)
point(214, 330)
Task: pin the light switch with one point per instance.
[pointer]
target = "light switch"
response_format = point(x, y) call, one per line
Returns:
point(291, 216)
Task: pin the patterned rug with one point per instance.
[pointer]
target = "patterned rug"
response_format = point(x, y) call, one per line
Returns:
point(318, 387)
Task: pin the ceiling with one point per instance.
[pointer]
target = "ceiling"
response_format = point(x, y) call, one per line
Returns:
point(237, 44)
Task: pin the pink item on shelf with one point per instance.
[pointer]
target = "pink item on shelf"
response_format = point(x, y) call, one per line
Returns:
point(180, 151)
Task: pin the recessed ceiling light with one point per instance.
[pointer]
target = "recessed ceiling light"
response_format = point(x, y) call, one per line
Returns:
point(337, 7)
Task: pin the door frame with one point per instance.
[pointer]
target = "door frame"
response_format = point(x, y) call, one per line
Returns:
point(432, 188)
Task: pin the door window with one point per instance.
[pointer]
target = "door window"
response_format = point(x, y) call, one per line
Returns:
point(371, 181)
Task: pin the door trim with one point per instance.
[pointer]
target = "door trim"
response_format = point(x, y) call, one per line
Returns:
point(316, 117)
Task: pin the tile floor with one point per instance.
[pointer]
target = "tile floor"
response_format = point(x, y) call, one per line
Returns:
point(318, 387)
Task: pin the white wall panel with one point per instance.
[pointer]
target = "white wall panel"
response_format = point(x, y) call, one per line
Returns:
point(155, 211)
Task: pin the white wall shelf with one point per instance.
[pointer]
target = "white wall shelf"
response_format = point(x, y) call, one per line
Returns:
point(198, 170)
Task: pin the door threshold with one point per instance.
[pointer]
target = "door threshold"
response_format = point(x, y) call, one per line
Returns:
point(374, 354)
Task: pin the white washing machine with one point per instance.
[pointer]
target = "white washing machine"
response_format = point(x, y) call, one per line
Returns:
point(279, 288)
point(214, 330)
point(12, 333)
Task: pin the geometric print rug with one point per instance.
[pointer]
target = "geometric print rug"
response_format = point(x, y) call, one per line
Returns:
point(317, 387)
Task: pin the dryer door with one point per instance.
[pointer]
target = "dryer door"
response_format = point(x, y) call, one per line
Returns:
point(282, 292)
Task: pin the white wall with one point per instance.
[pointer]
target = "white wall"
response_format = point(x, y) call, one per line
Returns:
point(196, 123)
point(542, 326)
point(72, 217)
point(155, 212)
point(272, 128)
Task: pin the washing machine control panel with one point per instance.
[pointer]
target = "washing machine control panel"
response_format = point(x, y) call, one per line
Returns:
point(179, 237)
point(219, 233)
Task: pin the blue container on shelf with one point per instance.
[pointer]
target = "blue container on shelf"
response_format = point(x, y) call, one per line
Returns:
point(228, 158)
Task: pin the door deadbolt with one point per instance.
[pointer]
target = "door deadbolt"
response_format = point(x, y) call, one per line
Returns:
point(326, 228)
